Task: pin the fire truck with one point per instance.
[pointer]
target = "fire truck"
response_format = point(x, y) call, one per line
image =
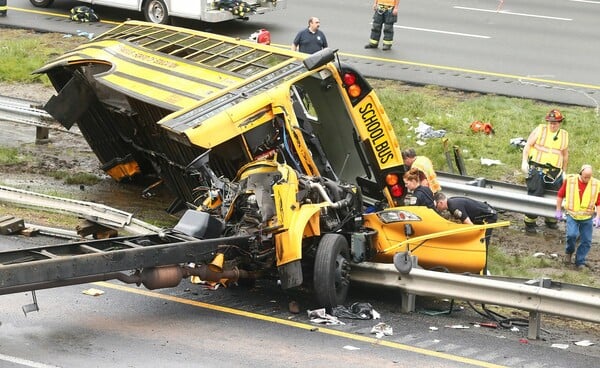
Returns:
point(211, 11)
point(283, 165)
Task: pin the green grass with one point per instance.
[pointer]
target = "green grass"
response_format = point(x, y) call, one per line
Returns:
point(76, 178)
point(453, 111)
point(23, 51)
point(10, 156)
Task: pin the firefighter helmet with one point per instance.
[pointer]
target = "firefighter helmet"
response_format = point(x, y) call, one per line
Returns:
point(554, 116)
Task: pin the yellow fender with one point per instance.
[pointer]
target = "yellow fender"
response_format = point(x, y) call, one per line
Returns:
point(298, 221)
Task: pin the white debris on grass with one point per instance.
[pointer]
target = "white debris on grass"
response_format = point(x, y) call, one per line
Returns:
point(490, 162)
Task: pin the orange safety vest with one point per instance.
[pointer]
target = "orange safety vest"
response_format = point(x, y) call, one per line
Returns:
point(581, 208)
point(386, 2)
point(424, 165)
point(548, 146)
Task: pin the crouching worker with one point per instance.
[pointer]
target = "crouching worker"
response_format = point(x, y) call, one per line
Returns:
point(582, 200)
point(468, 211)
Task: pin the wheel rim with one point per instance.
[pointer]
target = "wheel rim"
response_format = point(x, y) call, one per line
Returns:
point(156, 12)
point(342, 273)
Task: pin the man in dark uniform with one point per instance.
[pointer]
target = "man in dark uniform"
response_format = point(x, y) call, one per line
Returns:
point(468, 211)
point(311, 39)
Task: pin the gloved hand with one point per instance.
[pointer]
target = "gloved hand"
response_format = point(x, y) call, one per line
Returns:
point(559, 216)
point(525, 167)
point(596, 221)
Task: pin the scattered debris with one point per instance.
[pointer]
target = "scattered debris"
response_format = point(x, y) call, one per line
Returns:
point(481, 127)
point(486, 324)
point(10, 225)
point(457, 326)
point(524, 341)
point(433, 328)
point(356, 311)
point(350, 347)
point(93, 292)
point(319, 316)
point(519, 142)
point(490, 162)
point(381, 329)
point(515, 329)
point(584, 343)
point(560, 346)
point(425, 131)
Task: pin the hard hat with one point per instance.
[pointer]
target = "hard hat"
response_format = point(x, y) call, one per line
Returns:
point(554, 116)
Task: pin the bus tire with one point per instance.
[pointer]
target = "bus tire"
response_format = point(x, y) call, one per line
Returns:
point(331, 275)
point(155, 11)
point(41, 3)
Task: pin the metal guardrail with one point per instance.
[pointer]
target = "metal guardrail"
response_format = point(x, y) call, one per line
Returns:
point(559, 299)
point(98, 213)
point(508, 198)
point(24, 111)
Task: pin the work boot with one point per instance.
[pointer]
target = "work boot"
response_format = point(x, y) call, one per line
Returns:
point(371, 46)
point(568, 258)
point(386, 47)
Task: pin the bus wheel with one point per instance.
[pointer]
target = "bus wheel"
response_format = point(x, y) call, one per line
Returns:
point(331, 276)
point(41, 3)
point(155, 11)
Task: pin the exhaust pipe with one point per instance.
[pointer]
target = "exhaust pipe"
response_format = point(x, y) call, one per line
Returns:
point(170, 276)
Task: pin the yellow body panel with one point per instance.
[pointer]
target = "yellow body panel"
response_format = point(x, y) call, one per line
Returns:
point(436, 241)
point(373, 123)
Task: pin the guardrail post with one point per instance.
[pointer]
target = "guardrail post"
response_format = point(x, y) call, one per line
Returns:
point(407, 301)
point(535, 317)
point(42, 135)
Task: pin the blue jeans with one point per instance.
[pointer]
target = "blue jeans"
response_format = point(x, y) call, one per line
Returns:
point(583, 229)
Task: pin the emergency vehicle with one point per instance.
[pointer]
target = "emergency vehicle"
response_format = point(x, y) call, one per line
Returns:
point(284, 164)
point(211, 11)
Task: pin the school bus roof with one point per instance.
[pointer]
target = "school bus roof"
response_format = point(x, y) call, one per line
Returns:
point(189, 72)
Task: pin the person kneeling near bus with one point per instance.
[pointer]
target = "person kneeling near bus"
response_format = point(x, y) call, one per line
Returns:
point(468, 211)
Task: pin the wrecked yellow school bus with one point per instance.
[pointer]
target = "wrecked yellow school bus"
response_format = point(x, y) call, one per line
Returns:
point(286, 163)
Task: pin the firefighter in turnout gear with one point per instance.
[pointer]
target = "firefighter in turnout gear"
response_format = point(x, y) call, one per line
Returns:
point(545, 159)
point(386, 14)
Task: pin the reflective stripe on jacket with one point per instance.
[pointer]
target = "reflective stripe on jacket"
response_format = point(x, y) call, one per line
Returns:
point(548, 146)
point(581, 208)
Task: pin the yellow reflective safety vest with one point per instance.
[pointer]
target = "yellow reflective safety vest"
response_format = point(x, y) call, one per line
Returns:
point(581, 208)
point(386, 2)
point(548, 146)
point(424, 165)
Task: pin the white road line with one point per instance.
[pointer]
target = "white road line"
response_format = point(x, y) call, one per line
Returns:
point(586, 1)
point(511, 13)
point(25, 362)
point(444, 32)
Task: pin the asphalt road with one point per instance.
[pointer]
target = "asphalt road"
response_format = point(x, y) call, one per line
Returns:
point(543, 49)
